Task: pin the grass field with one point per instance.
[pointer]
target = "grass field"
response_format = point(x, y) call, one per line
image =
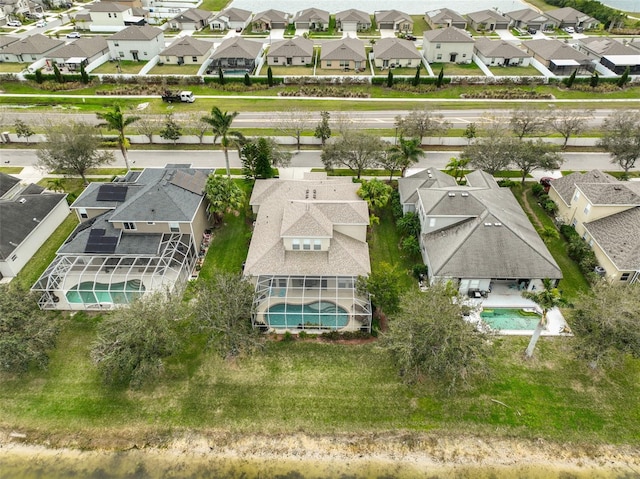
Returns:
point(9, 67)
point(175, 69)
point(515, 71)
point(453, 69)
point(11, 170)
point(111, 68)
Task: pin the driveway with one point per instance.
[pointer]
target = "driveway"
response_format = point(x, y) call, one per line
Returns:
point(507, 35)
point(387, 33)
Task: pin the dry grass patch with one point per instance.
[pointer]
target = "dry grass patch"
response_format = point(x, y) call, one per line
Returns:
point(10, 67)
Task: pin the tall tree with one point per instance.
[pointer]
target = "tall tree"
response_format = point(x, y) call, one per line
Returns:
point(197, 126)
point(547, 299)
point(624, 78)
point(224, 196)
point(456, 167)
point(171, 130)
point(621, 138)
point(269, 77)
point(490, 152)
point(429, 338)
point(383, 286)
point(470, 132)
point(221, 122)
point(356, 150)
point(260, 155)
point(116, 121)
point(416, 78)
point(534, 155)
point(403, 155)
point(440, 79)
point(23, 130)
point(421, 122)
point(147, 126)
point(526, 121)
point(570, 122)
point(376, 193)
point(72, 149)
point(323, 129)
point(389, 79)
point(293, 122)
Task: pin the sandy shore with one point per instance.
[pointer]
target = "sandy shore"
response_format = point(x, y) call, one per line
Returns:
point(219, 454)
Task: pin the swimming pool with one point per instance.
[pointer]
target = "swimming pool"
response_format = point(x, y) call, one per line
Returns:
point(324, 314)
point(505, 318)
point(89, 292)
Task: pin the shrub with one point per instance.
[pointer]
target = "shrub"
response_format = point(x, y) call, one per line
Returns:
point(550, 207)
point(420, 269)
point(537, 189)
point(287, 337)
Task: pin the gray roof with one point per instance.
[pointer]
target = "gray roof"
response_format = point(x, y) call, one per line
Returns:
point(619, 237)
point(193, 15)
point(445, 15)
point(526, 15)
point(134, 32)
point(569, 15)
point(392, 16)
point(555, 50)
point(271, 16)
point(485, 15)
point(499, 49)
point(17, 218)
point(293, 47)
point(353, 15)
point(448, 35)
point(234, 14)
point(566, 185)
point(343, 49)
point(428, 178)
point(7, 40)
point(108, 7)
point(287, 209)
point(312, 14)
point(35, 44)
point(237, 47)
point(607, 46)
point(395, 48)
point(83, 47)
point(187, 46)
point(6, 183)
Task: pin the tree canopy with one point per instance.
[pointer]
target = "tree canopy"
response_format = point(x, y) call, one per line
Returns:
point(260, 155)
point(621, 138)
point(224, 196)
point(293, 122)
point(527, 121)
point(547, 299)
point(221, 122)
point(383, 286)
point(403, 155)
point(355, 150)
point(421, 122)
point(323, 129)
point(115, 120)
point(172, 130)
point(570, 123)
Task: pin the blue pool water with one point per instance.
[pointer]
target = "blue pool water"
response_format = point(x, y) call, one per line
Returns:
point(319, 313)
point(504, 318)
point(89, 292)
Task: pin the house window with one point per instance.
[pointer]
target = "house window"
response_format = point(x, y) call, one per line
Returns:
point(344, 63)
point(306, 244)
point(464, 55)
point(625, 277)
point(574, 222)
point(109, 15)
point(439, 56)
point(328, 63)
point(295, 244)
point(129, 225)
point(317, 245)
point(14, 257)
point(275, 60)
point(345, 283)
point(438, 46)
point(432, 222)
point(194, 59)
point(576, 197)
point(83, 213)
point(116, 44)
point(587, 209)
point(144, 54)
point(174, 227)
point(115, 15)
point(151, 222)
point(121, 54)
point(282, 282)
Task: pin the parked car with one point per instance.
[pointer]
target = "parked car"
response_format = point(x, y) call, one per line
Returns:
point(569, 30)
point(14, 23)
point(41, 23)
point(73, 35)
point(579, 29)
point(410, 37)
point(532, 31)
point(546, 182)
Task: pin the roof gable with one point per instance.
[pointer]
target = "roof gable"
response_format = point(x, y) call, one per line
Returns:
point(237, 47)
point(293, 47)
point(187, 46)
point(395, 48)
point(345, 49)
point(448, 35)
point(135, 32)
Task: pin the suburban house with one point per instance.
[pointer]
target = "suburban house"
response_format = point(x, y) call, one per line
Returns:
point(309, 246)
point(353, 20)
point(191, 19)
point(269, 20)
point(559, 57)
point(30, 48)
point(28, 215)
point(500, 53)
point(344, 54)
point(80, 52)
point(136, 43)
point(294, 51)
point(528, 18)
point(7, 40)
point(113, 17)
point(236, 54)
point(614, 55)
point(445, 17)
point(135, 236)
point(82, 20)
point(394, 20)
point(605, 212)
point(13, 8)
point(487, 21)
point(187, 50)
point(231, 19)
point(395, 53)
point(570, 17)
point(477, 235)
point(448, 45)
point(312, 19)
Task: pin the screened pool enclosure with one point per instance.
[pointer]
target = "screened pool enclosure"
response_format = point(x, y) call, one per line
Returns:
point(310, 303)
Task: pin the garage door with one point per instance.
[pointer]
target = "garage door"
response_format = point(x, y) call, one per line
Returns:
point(386, 26)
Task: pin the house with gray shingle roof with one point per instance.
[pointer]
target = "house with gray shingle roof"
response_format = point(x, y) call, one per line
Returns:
point(7, 40)
point(487, 21)
point(611, 53)
point(136, 43)
point(139, 235)
point(445, 17)
point(313, 19)
point(293, 51)
point(191, 19)
point(448, 45)
point(500, 53)
point(187, 50)
point(236, 54)
point(28, 215)
point(269, 20)
point(231, 19)
point(113, 17)
point(395, 52)
point(344, 54)
point(605, 212)
point(308, 247)
point(30, 48)
point(80, 52)
point(570, 17)
point(353, 20)
point(477, 234)
point(559, 57)
point(527, 18)
point(394, 20)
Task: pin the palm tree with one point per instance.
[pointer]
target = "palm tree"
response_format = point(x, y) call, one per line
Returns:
point(456, 167)
point(115, 120)
point(220, 122)
point(546, 299)
point(407, 152)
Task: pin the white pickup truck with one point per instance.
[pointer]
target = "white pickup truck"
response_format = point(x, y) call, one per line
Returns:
point(183, 96)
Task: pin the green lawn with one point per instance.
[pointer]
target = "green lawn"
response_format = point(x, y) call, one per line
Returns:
point(515, 71)
point(10, 67)
point(419, 25)
point(452, 69)
point(214, 5)
point(11, 170)
point(290, 71)
point(402, 71)
point(175, 69)
point(111, 68)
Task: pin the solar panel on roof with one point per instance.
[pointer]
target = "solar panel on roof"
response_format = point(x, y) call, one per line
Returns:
point(99, 243)
point(111, 192)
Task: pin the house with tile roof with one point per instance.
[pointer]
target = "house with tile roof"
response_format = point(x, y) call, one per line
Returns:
point(313, 19)
point(80, 52)
point(135, 236)
point(269, 20)
point(136, 43)
point(292, 51)
point(559, 57)
point(570, 17)
point(309, 246)
point(395, 53)
point(231, 19)
point(187, 50)
point(448, 45)
point(236, 54)
point(477, 234)
point(394, 20)
point(191, 19)
point(605, 212)
point(344, 54)
point(30, 48)
point(500, 53)
point(445, 17)
point(353, 20)
point(28, 215)
point(611, 53)
point(527, 18)
point(487, 21)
